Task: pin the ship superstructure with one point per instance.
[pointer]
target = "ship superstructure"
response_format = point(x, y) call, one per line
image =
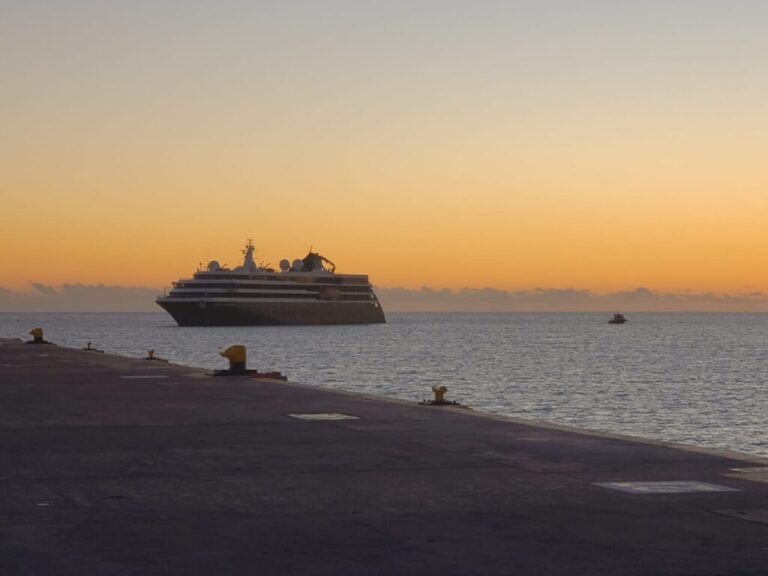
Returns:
point(305, 291)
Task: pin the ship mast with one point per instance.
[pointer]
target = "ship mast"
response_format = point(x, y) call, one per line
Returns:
point(248, 262)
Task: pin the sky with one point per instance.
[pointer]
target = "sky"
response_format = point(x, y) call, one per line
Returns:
point(595, 146)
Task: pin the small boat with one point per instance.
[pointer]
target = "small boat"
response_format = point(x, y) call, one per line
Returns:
point(617, 319)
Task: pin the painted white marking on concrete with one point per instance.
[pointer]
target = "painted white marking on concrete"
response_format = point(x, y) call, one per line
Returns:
point(682, 487)
point(756, 470)
point(143, 376)
point(328, 416)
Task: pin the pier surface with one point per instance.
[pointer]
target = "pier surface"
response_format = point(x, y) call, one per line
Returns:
point(112, 465)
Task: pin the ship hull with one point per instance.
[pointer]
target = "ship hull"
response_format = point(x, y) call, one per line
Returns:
point(271, 313)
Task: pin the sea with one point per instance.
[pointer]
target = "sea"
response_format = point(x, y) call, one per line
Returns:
point(694, 378)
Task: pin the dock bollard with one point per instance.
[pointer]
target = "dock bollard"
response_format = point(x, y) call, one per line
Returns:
point(236, 355)
point(37, 336)
point(439, 392)
point(151, 356)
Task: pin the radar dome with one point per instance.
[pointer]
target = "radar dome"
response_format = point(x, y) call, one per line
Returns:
point(285, 265)
point(298, 264)
point(214, 266)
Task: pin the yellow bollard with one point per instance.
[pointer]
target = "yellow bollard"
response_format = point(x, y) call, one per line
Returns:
point(236, 356)
point(151, 356)
point(439, 394)
point(37, 336)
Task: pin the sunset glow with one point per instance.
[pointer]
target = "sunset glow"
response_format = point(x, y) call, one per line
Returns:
point(511, 145)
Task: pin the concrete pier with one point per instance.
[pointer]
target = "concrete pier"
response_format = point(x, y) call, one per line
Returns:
point(118, 466)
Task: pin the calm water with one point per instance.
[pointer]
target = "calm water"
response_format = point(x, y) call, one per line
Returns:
point(695, 378)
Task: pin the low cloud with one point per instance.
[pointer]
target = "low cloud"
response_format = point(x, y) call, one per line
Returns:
point(566, 300)
point(79, 298)
point(102, 298)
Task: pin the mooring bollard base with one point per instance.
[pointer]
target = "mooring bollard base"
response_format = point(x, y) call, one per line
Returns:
point(37, 337)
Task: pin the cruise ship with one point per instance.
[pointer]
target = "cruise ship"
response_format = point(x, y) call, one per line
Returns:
point(305, 291)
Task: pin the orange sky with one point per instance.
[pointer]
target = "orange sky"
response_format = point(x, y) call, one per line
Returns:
point(522, 150)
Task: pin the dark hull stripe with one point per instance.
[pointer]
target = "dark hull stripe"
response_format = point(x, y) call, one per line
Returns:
point(272, 313)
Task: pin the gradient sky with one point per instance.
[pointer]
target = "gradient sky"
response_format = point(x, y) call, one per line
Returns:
point(602, 145)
